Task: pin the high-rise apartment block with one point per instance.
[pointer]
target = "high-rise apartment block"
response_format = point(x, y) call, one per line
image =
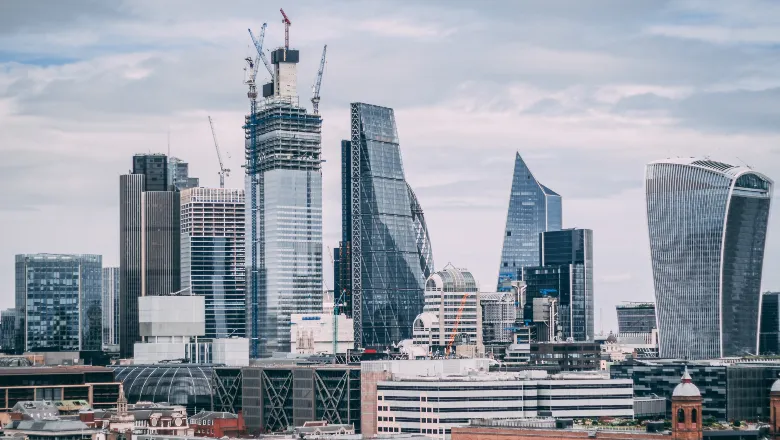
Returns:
point(212, 256)
point(707, 223)
point(284, 210)
point(59, 301)
point(533, 208)
point(769, 337)
point(565, 274)
point(110, 306)
point(149, 241)
point(385, 253)
point(179, 175)
point(9, 332)
point(636, 317)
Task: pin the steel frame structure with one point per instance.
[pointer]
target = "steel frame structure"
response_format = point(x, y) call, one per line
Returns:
point(357, 224)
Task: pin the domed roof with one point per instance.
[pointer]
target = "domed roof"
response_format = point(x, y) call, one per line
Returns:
point(775, 386)
point(686, 388)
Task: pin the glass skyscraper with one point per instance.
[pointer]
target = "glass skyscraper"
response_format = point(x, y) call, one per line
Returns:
point(533, 208)
point(385, 253)
point(636, 317)
point(707, 222)
point(769, 340)
point(110, 306)
point(179, 175)
point(212, 256)
point(59, 300)
point(284, 174)
point(566, 273)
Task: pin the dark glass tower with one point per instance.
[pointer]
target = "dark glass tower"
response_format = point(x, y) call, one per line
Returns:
point(385, 253)
point(636, 317)
point(707, 222)
point(533, 208)
point(61, 301)
point(149, 260)
point(566, 272)
point(769, 339)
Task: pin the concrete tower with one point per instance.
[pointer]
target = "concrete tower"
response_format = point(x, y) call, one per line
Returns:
point(686, 410)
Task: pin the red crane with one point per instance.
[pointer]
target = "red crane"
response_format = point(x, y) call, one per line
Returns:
point(287, 24)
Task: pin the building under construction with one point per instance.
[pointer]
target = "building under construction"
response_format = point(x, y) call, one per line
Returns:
point(284, 203)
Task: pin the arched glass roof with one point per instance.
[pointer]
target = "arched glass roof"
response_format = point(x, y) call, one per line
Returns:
point(180, 384)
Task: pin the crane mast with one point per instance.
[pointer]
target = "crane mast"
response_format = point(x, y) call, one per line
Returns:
point(250, 128)
point(258, 42)
point(315, 99)
point(287, 24)
point(222, 170)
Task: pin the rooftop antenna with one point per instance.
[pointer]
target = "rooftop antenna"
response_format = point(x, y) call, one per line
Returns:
point(169, 141)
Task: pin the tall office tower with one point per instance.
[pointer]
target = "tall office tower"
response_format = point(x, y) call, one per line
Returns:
point(212, 256)
point(9, 332)
point(59, 299)
point(385, 250)
point(179, 175)
point(533, 208)
point(769, 339)
point(565, 273)
point(284, 210)
point(110, 306)
point(707, 223)
point(149, 260)
point(636, 317)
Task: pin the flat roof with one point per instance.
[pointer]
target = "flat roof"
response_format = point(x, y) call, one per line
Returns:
point(75, 369)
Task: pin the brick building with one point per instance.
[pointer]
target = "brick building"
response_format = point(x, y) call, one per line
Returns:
point(217, 424)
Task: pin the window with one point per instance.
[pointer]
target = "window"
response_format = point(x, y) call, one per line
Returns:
point(680, 416)
point(693, 416)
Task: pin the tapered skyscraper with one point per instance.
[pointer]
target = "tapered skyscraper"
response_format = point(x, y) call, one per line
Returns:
point(385, 253)
point(707, 223)
point(284, 221)
point(533, 208)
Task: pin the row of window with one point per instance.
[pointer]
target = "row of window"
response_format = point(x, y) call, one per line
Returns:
point(478, 387)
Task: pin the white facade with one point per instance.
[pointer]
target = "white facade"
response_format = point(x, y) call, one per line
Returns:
point(433, 404)
point(168, 324)
point(452, 314)
point(312, 333)
point(232, 352)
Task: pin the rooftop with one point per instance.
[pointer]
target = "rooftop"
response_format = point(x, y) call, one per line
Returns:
point(50, 425)
point(75, 369)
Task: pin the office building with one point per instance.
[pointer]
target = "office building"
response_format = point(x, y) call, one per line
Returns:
point(385, 253)
point(499, 315)
point(59, 300)
point(769, 338)
point(284, 212)
point(433, 396)
point(9, 332)
point(212, 256)
point(179, 175)
point(556, 357)
point(565, 275)
point(110, 306)
point(315, 333)
point(95, 385)
point(167, 326)
point(636, 317)
point(707, 223)
point(452, 303)
point(533, 209)
point(276, 397)
point(149, 260)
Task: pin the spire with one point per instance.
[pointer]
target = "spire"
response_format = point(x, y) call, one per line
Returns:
point(686, 378)
point(121, 402)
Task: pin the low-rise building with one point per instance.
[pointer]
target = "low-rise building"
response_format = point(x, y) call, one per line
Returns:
point(433, 396)
point(53, 429)
point(557, 357)
point(95, 385)
point(217, 424)
point(313, 333)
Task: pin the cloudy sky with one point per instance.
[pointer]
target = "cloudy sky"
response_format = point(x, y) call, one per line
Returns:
point(587, 92)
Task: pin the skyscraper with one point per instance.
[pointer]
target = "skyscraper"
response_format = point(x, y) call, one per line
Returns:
point(212, 256)
point(385, 251)
point(9, 332)
point(179, 175)
point(149, 260)
point(769, 340)
point(110, 306)
point(284, 220)
point(565, 273)
point(59, 297)
point(533, 208)
point(634, 317)
point(707, 222)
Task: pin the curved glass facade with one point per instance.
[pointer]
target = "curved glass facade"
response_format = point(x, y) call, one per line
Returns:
point(533, 208)
point(186, 385)
point(707, 222)
point(388, 262)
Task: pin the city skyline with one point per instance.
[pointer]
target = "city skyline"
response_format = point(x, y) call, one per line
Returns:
point(585, 132)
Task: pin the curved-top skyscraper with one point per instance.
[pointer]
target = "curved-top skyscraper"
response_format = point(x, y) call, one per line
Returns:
point(707, 222)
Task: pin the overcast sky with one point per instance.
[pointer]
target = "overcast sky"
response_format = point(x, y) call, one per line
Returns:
point(587, 92)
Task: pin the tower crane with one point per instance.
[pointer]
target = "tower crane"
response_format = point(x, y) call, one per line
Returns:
point(258, 42)
point(457, 321)
point(222, 170)
point(287, 24)
point(315, 99)
point(251, 168)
